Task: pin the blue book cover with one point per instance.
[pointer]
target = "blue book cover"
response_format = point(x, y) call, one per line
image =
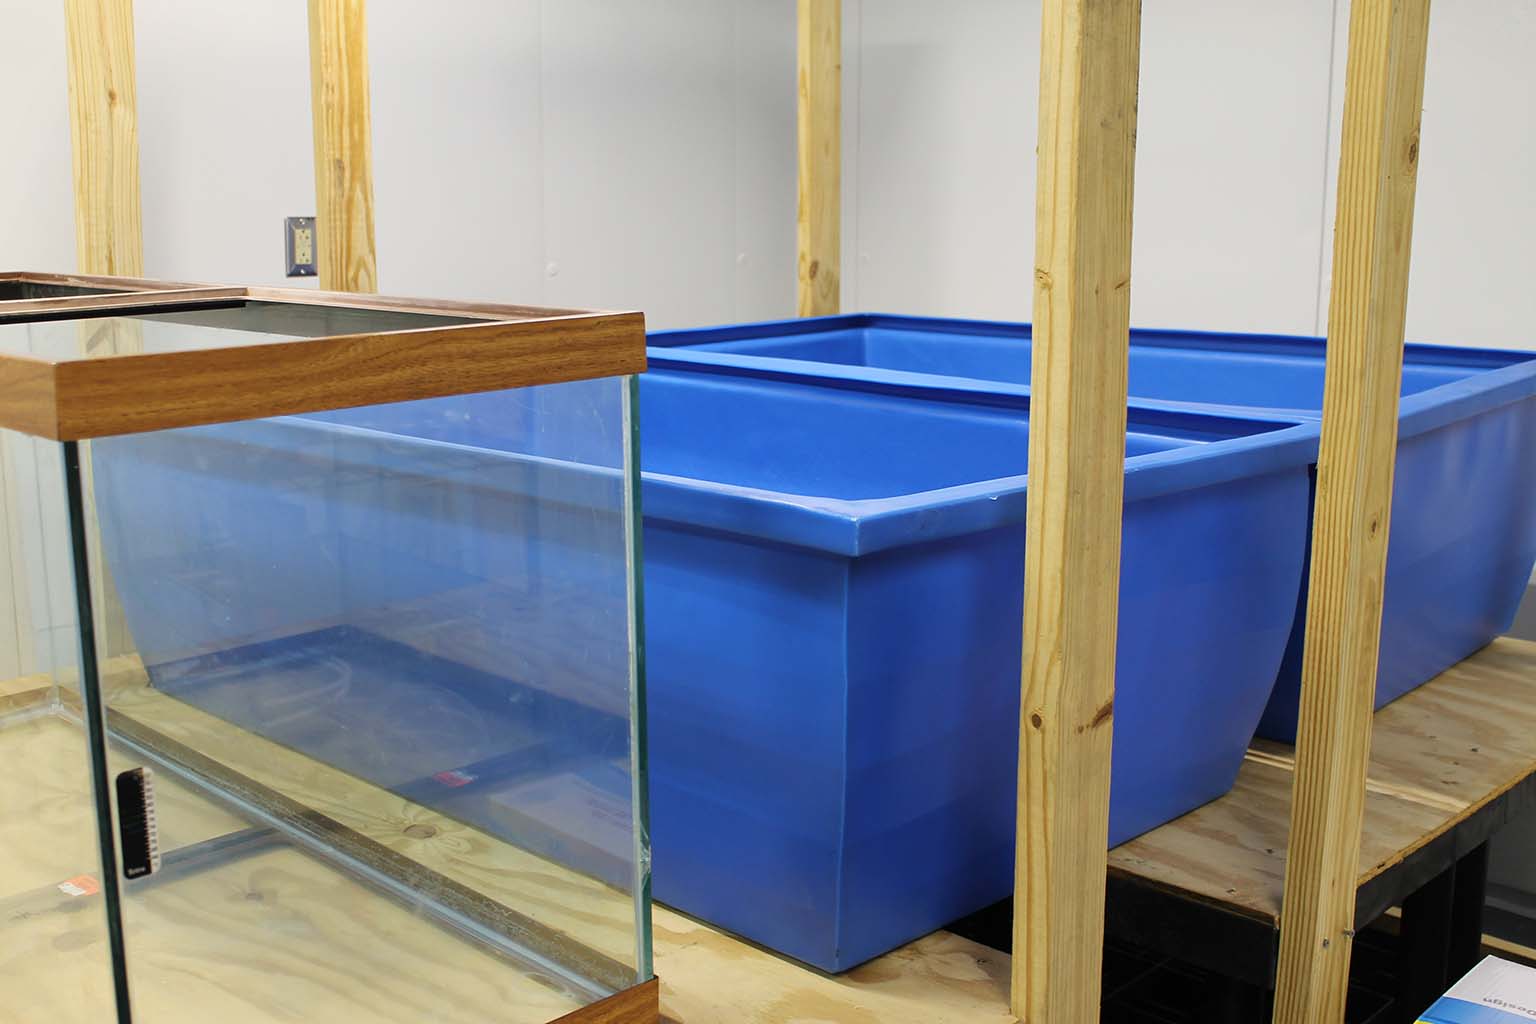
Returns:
point(1494, 992)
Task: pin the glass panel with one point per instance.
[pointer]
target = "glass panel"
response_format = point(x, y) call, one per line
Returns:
point(382, 664)
point(55, 963)
point(61, 335)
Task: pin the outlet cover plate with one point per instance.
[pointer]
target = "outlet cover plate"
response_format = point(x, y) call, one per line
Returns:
point(299, 246)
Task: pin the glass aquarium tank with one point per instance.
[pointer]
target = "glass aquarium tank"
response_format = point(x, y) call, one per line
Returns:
point(321, 681)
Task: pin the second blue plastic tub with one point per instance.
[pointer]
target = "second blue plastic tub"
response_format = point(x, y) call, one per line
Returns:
point(1463, 531)
point(833, 577)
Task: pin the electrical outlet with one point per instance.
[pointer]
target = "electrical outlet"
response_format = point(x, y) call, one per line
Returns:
point(299, 246)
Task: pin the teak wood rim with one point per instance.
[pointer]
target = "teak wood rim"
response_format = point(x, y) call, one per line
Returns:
point(514, 346)
point(638, 1004)
point(125, 289)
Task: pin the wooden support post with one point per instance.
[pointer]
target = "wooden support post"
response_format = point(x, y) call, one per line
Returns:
point(1090, 53)
point(819, 219)
point(338, 79)
point(103, 118)
point(105, 135)
point(1378, 163)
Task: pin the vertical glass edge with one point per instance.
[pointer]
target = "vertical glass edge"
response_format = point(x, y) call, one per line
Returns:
point(93, 715)
point(634, 584)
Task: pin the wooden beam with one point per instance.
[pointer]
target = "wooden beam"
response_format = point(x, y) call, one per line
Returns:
point(1378, 164)
point(818, 222)
point(105, 136)
point(338, 78)
point(1090, 53)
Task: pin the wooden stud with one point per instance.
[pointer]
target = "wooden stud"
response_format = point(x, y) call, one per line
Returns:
point(1090, 52)
point(1384, 89)
point(338, 69)
point(818, 223)
point(104, 136)
point(104, 130)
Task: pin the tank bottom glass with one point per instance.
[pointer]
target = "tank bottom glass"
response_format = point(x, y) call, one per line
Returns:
point(325, 899)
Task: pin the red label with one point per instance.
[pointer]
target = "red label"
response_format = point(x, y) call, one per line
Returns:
point(80, 885)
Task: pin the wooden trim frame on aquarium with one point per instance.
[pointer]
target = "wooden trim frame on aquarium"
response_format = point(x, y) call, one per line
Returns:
point(442, 307)
point(124, 289)
point(14, 309)
point(125, 283)
point(638, 1004)
point(515, 346)
point(1378, 168)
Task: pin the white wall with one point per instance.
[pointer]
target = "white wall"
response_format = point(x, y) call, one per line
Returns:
point(37, 226)
point(1233, 124)
point(640, 154)
point(225, 149)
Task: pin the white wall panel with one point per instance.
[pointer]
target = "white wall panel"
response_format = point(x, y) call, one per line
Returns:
point(458, 154)
point(225, 146)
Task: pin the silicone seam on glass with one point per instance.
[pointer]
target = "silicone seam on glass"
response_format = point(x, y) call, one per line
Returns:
point(95, 729)
point(633, 584)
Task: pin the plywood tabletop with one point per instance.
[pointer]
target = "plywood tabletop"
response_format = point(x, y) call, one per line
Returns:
point(254, 938)
point(708, 977)
point(1438, 754)
point(275, 935)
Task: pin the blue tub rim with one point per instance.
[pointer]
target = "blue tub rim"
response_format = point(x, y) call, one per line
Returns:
point(1498, 381)
point(851, 527)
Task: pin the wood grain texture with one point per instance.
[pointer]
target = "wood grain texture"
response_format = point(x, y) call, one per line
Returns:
point(1090, 53)
point(1439, 753)
point(121, 281)
point(26, 691)
point(638, 1004)
point(338, 76)
point(23, 309)
point(818, 223)
point(454, 307)
point(16, 644)
point(103, 117)
point(593, 914)
point(250, 940)
point(29, 399)
point(1232, 851)
point(154, 391)
point(1467, 736)
point(708, 977)
point(34, 291)
point(275, 935)
point(1384, 89)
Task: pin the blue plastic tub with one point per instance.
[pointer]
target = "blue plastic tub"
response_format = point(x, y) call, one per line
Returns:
point(833, 577)
point(1464, 498)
